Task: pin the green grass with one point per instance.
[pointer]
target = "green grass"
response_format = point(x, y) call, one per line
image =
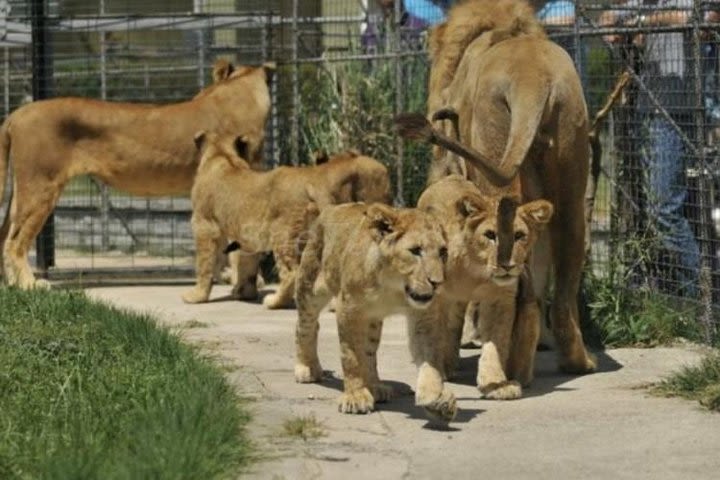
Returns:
point(639, 317)
point(701, 382)
point(90, 391)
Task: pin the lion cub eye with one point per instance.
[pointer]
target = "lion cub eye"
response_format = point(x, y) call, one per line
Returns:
point(490, 234)
point(443, 254)
point(417, 251)
point(520, 236)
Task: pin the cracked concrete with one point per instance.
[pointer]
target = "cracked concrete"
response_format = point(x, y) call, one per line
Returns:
point(603, 425)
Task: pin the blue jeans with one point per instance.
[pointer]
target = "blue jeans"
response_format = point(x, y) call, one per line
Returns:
point(663, 158)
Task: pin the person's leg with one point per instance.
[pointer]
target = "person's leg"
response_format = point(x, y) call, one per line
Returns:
point(666, 195)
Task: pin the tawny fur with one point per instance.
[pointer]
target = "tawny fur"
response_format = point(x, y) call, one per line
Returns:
point(377, 261)
point(520, 103)
point(142, 149)
point(476, 272)
point(268, 211)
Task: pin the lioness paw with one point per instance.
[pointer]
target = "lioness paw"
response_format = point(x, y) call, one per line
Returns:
point(507, 390)
point(308, 373)
point(358, 401)
point(442, 408)
point(194, 296)
point(580, 364)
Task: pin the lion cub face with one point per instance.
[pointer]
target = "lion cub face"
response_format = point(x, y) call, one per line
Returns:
point(500, 233)
point(414, 248)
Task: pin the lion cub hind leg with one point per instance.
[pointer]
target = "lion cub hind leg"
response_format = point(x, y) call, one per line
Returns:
point(283, 296)
point(207, 243)
point(353, 329)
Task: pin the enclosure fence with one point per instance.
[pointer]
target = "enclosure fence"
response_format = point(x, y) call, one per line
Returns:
point(345, 69)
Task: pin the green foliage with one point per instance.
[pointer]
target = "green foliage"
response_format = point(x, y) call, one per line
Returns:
point(701, 382)
point(353, 105)
point(627, 314)
point(90, 391)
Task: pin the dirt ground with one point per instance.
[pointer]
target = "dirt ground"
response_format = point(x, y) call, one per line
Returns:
point(602, 426)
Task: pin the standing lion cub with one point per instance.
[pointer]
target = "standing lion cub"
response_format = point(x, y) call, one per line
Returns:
point(267, 211)
point(377, 261)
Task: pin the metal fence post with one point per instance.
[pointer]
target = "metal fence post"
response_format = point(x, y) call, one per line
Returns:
point(42, 88)
point(399, 88)
point(704, 188)
point(104, 193)
point(295, 121)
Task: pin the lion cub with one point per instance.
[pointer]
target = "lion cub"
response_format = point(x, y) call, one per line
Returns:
point(377, 261)
point(265, 211)
point(489, 242)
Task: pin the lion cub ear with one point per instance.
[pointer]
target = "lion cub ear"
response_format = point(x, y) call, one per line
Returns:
point(472, 206)
point(382, 220)
point(538, 212)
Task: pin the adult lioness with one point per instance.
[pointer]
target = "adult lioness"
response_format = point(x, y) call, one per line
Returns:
point(489, 241)
point(268, 211)
point(377, 261)
point(521, 111)
point(142, 149)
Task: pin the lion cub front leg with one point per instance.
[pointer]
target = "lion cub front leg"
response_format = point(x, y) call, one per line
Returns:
point(427, 347)
point(207, 243)
point(353, 329)
point(496, 318)
point(382, 392)
point(525, 336)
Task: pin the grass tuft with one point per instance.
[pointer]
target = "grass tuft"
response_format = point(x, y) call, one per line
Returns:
point(304, 427)
point(701, 383)
point(91, 391)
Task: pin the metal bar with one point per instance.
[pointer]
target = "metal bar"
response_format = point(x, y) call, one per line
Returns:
point(295, 120)
point(399, 88)
point(42, 88)
point(104, 194)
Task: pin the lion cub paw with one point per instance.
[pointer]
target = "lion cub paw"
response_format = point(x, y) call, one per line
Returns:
point(358, 401)
point(443, 408)
point(274, 301)
point(194, 296)
point(245, 291)
point(308, 373)
point(506, 390)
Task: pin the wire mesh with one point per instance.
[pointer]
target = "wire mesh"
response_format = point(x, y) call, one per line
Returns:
point(346, 67)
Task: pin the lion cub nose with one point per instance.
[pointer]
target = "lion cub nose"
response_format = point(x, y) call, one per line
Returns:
point(434, 283)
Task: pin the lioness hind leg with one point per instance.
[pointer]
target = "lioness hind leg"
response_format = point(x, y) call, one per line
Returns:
point(353, 329)
point(568, 255)
point(28, 212)
point(525, 336)
point(207, 243)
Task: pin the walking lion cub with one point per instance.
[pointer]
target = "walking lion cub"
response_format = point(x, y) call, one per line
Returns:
point(377, 261)
point(267, 211)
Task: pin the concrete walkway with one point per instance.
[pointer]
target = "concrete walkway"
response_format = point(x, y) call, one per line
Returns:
point(600, 426)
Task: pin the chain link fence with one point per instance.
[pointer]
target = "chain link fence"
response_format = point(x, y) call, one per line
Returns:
point(345, 68)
